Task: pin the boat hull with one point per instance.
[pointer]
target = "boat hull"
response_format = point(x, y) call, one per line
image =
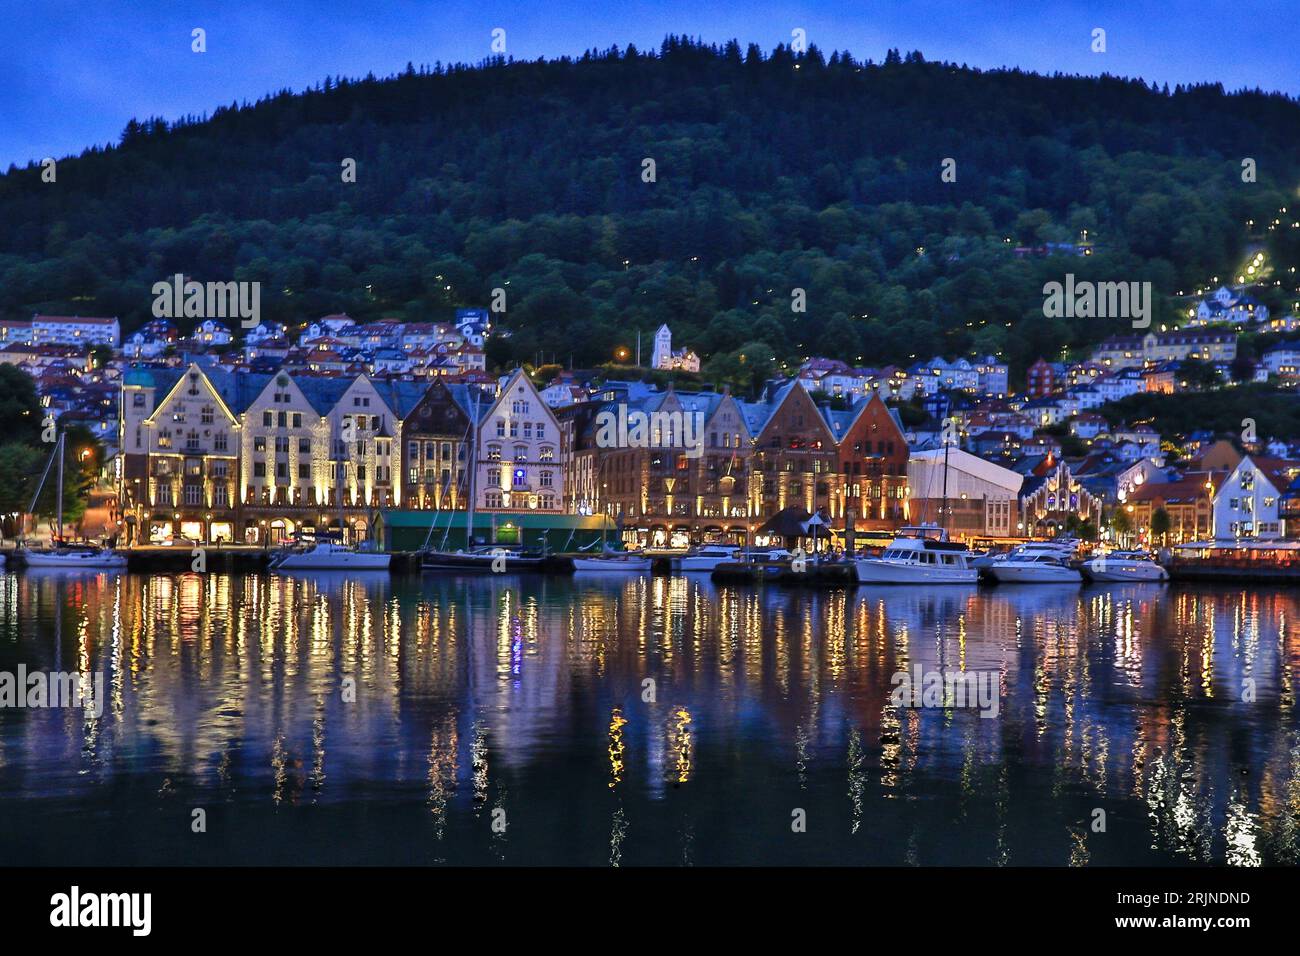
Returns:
point(1112, 570)
point(479, 563)
point(701, 563)
point(1009, 572)
point(340, 561)
point(875, 571)
point(102, 559)
point(612, 565)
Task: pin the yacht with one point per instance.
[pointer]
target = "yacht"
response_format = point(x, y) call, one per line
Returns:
point(483, 558)
point(1063, 548)
point(1026, 565)
point(1124, 566)
point(331, 556)
point(615, 561)
point(72, 556)
point(918, 560)
point(706, 557)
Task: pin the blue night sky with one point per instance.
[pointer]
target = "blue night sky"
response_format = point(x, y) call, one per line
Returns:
point(74, 72)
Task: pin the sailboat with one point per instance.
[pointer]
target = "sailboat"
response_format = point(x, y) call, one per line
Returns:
point(62, 554)
point(476, 557)
point(611, 560)
point(329, 553)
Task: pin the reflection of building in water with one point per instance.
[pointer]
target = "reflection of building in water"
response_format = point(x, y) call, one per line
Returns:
point(464, 690)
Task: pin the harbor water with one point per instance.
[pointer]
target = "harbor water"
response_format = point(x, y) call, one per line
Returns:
point(636, 719)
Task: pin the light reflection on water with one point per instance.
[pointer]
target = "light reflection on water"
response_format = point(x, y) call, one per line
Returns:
point(623, 721)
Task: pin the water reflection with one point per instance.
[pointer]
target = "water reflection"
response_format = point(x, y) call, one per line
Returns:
point(328, 718)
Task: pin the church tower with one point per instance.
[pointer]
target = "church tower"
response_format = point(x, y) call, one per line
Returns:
point(663, 354)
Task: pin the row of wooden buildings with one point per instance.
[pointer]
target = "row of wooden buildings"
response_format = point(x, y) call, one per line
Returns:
point(211, 455)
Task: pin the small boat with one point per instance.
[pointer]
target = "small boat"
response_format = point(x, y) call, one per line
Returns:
point(1034, 567)
point(705, 557)
point(61, 554)
point(919, 560)
point(483, 558)
point(1124, 566)
point(1063, 548)
point(72, 556)
point(331, 556)
point(614, 561)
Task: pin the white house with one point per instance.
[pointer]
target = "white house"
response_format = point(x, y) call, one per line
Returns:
point(75, 330)
point(1225, 305)
point(1246, 504)
point(211, 332)
point(519, 466)
point(326, 327)
point(1283, 360)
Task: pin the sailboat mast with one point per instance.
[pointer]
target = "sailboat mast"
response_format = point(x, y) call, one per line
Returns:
point(59, 506)
point(943, 514)
point(340, 483)
point(473, 472)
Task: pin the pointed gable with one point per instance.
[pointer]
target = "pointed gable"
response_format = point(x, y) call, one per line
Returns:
point(795, 422)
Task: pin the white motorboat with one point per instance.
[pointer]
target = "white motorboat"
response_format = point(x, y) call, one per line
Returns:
point(72, 556)
point(331, 556)
point(918, 560)
point(1061, 547)
point(1034, 567)
point(705, 557)
point(1124, 566)
point(614, 561)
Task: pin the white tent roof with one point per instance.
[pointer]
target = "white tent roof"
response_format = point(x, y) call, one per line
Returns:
point(973, 465)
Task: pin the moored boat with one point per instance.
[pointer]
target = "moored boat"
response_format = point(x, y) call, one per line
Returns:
point(918, 559)
point(613, 562)
point(1123, 566)
point(331, 556)
point(72, 556)
point(483, 558)
point(705, 557)
point(1034, 567)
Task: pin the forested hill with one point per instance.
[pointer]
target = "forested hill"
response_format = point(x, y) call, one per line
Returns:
point(773, 172)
